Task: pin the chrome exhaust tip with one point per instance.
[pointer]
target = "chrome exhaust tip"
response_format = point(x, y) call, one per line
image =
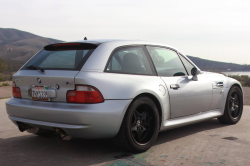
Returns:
point(33, 130)
point(63, 134)
point(22, 127)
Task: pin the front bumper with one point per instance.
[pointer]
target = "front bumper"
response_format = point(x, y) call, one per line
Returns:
point(102, 120)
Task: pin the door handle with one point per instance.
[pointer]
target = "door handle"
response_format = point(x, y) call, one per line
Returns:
point(174, 86)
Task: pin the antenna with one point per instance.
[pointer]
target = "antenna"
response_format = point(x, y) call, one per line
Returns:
point(85, 38)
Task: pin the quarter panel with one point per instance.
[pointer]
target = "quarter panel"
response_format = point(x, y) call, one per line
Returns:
point(218, 94)
point(115, 86)
point(229, 82)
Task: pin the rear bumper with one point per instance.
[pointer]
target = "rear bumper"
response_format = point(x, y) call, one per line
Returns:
point(101, 120)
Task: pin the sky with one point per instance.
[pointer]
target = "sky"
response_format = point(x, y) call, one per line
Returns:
point(210, 29)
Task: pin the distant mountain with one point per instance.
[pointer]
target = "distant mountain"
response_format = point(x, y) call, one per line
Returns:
point(209, 65)
point(16, 46)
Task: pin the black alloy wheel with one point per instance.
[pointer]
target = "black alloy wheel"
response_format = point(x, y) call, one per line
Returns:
point(234, 106)
point(140, 126)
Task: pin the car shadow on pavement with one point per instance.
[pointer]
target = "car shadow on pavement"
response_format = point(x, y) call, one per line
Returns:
point(34, 150)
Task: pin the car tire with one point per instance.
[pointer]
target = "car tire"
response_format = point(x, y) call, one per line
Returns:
point(233, 108)
point(140, 126)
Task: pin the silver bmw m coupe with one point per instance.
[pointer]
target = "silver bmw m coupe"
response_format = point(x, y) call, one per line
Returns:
point(120, 89)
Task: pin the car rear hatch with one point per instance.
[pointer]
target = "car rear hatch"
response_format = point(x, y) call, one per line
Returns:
point(49, 75)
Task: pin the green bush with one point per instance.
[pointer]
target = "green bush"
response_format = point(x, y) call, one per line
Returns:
point(2, 79)
point(243, 79)
point(6, 76)
point(3, 66)
point(4, 84)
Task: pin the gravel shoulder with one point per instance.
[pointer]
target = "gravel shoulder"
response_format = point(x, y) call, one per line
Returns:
point(246, 91)
point(6, 92)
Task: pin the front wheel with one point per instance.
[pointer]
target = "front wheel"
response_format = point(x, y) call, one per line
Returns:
point(140, 126)
point(233, 108)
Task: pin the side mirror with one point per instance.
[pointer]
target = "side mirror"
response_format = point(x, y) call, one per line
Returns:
point(195, 72)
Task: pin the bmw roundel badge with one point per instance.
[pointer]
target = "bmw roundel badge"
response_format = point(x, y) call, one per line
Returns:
point(39, 80)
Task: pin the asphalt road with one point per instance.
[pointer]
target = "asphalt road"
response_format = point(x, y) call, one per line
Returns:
point(206, 143)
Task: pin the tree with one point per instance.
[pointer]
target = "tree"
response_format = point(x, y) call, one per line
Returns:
point(3, 66)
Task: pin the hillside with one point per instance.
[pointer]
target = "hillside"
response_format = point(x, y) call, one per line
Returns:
point(208, 65)
point(16, 46)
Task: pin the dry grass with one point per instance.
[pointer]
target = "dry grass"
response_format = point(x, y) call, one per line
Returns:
point(6, 76)
point(6, 91)
point(4, 84)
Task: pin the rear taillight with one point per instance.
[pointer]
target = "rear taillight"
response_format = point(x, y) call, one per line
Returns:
point(16, 91)
point(84, 94)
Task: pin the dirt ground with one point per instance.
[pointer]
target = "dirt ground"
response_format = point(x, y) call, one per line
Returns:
point(208, 143)
point(246, 91)
point(6, 92)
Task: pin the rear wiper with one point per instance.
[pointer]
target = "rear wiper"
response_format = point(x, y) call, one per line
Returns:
point(35, 68)
point(32, 67)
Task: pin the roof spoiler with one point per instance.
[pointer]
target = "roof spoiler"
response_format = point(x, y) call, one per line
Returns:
point(70, 46)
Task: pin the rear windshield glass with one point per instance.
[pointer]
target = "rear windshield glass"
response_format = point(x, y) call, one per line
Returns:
point(60, 59)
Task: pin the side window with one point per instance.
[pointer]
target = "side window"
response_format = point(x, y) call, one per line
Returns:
point(130, 60)
point(166, 61)
point(187, 64)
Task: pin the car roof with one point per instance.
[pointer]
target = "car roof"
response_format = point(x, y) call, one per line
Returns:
point(97, 61)
point(120, 41)
point(99, 41)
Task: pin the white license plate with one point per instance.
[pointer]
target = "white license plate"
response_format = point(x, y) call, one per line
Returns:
point(40, 93)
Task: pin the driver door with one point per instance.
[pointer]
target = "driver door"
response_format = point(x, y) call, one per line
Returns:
point(187, 96)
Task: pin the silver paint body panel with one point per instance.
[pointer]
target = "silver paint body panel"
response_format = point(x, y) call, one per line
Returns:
point(193, 102)
point(182, 121)
point(191, 97)
point(101, 120)
point(50, 78)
